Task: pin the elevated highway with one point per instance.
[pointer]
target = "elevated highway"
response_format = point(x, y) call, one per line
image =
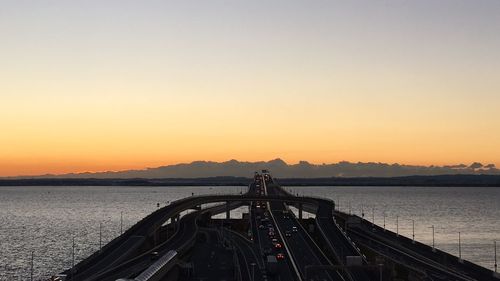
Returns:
point(130, 254)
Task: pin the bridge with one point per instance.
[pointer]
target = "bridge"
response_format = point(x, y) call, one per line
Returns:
point(269, 243)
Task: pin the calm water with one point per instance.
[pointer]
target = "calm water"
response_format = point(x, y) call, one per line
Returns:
point(472, 211)
point(44, 219)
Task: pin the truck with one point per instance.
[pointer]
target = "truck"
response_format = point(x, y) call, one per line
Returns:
point(271, 264)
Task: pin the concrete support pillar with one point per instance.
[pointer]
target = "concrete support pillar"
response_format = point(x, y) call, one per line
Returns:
point(300, 211)
point(228, 211)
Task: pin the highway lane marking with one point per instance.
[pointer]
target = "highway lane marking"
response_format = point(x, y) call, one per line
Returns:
point(236, 235)
point(246, 261)
point(297, 272)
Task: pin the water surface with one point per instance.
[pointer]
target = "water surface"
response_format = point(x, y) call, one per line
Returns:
point(45, 219)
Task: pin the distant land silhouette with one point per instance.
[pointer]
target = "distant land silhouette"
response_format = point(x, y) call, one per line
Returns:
point(280, 169)
point(436, 181)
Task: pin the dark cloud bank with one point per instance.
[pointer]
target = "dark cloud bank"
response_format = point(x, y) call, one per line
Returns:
point(280, 169)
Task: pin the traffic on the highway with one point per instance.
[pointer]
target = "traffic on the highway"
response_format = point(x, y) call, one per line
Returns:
point(269, 242)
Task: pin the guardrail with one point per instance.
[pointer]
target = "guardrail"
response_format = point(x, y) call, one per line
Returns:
point(158, 269)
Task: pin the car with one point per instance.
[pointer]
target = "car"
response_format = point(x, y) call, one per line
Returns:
point(288, 233)
point(274, 240)
point(261, 227)
point(278, 245)
point(267, 251)
point(154, 256)
point(294, 229)
point(280, 256)
point(270, 233)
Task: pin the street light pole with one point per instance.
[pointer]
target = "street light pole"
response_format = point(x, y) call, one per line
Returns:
point(495, 246)
point(433, 245)
point(459, 247)
point(253, 271)
point(380, 267)
point(413, 231)
point(121, 223)
point(373, 216)
point(100, 236)
point(397, 226)
point(384, 220)
point(73, 255)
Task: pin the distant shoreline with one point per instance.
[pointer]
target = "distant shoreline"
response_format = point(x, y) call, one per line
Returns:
point(437, 181)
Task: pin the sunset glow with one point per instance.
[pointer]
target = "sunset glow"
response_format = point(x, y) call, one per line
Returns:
point(94, 86)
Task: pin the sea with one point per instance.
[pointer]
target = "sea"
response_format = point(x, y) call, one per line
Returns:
point(38, 224)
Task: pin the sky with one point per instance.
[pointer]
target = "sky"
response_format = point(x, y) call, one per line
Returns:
point(119, 84)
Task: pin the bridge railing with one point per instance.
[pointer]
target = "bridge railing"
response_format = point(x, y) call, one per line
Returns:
point(158, 269)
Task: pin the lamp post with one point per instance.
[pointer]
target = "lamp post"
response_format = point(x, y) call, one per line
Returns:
point(413, 231)
point(73, 255)
point(100, 236)
point(121, 223)
point(384, 220)
point(380, 267)
point(253, 271)
point(373, 216)
point(459, 248)
point(397, 226)
point(433, 245)
point(495, 247)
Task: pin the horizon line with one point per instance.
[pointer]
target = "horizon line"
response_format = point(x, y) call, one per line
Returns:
point(478, 166)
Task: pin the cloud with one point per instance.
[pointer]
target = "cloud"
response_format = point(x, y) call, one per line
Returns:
point(281, 169)
point(476, 165)
point(459, 166)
